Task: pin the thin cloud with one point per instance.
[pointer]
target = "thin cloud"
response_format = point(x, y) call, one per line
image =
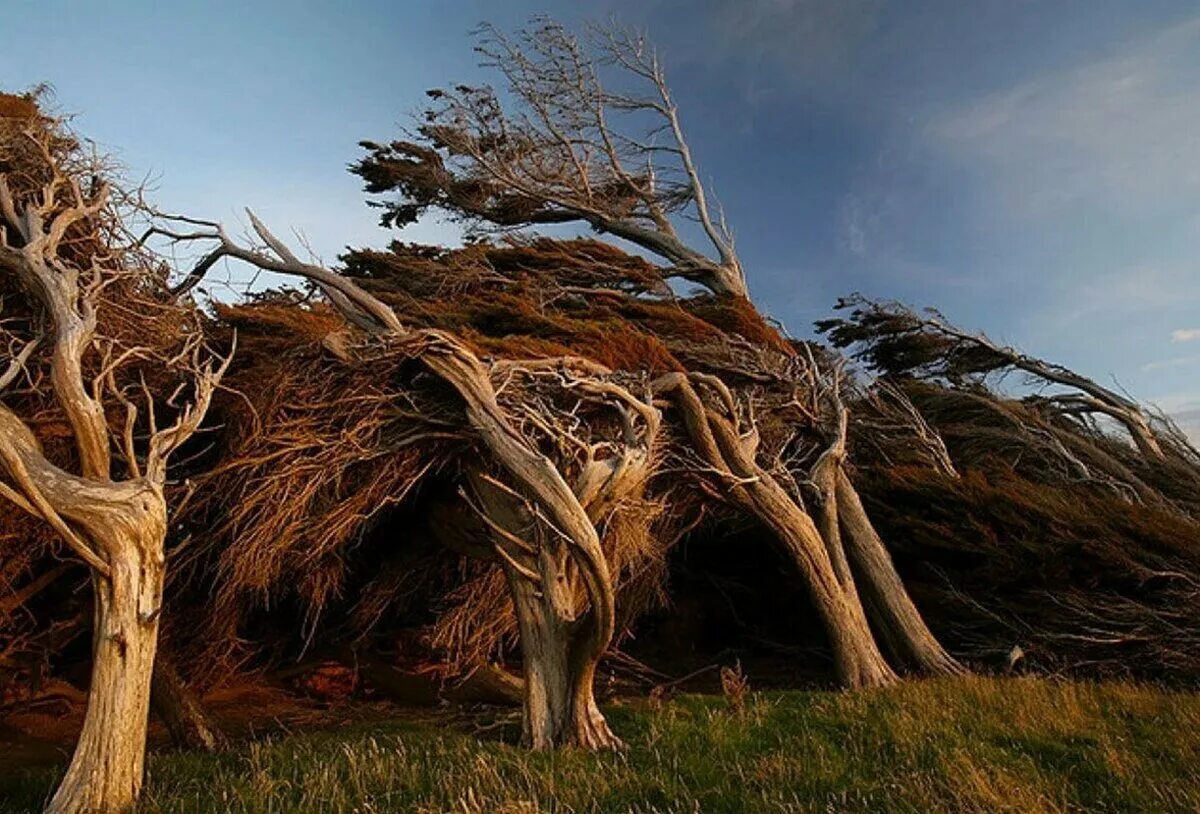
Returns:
point(1117, 132)
point(1185, 335)
point(801, 34)
point(1178, 361)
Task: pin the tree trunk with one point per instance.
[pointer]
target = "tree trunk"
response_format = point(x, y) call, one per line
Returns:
point(180, 710)
point(858, 660)
point(559, 708)
point(490, 684)
point(105, 774)
point(1143, 435)
point(897, 619)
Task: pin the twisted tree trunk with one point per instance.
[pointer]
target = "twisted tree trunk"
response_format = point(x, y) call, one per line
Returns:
point(105, 773)
point(558, 647)
point(559, 669)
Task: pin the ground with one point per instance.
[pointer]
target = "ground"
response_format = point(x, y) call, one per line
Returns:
point(978, 744)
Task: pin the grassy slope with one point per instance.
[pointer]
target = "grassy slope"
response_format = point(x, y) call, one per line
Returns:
point(967, 745)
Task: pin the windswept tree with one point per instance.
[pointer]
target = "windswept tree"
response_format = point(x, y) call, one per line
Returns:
point(595, 138)
point(94, 341)
point(542, 516)
point(897, 341)
point(569, 440)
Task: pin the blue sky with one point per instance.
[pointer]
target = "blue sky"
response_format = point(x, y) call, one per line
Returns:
point(1031, 167)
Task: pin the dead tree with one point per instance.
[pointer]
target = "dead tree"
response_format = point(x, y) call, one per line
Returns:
point(563, 156)
point(115, 524)
point(896, 340)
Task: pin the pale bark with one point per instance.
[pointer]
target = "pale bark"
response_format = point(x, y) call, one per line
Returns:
point(857, 659)
point(533, 475)
point(559, 706)
point(905, 634)
point(558, 655)
point(117, 527)
point(106, 770)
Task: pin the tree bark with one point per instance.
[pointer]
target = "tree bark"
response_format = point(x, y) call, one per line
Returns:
point(558, 645)
point(904, 633)
point(106, 770)
point(180, 710)
point(559, 669)
point(857, 659)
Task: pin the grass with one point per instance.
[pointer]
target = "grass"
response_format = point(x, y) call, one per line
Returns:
point(1021, 745)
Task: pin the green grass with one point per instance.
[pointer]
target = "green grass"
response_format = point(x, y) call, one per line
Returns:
point(984, 745)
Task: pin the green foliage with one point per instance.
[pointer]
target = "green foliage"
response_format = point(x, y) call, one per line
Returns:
point(989, 745)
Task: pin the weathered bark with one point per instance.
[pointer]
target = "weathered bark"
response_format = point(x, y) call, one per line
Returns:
point(558, 653)
point(559, 670)
point(533, 475)
point(905, 634)
point(181, 712)
point(117, 527)
point(857, 658)
point(105, 773)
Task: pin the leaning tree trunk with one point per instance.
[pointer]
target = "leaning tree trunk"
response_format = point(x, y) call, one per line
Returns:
point(857, 658)
point(105, 773)
point(904, 633)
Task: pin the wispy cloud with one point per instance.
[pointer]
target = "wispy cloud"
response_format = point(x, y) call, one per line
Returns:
point(1185, 335)
point(798, 34)
point(1119, 132)
point(1178, 361)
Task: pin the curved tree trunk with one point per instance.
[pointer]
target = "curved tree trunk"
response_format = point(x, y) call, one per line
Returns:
point(818, 560)
point(559, 704)
point(857, 658)
point(558, 653)
point(905, 634)
point(105, 773)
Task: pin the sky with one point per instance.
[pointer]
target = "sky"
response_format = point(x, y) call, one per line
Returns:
point(1029, 167)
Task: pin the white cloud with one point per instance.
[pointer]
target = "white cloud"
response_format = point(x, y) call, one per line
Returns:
point(1119, 132)
point(1178, 361)
point(1185, 335)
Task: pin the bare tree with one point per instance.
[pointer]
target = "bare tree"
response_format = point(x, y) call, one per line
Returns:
point(576, 149)
point(56, 246)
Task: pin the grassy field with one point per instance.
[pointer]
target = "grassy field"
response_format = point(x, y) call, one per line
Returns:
point(966, 745)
